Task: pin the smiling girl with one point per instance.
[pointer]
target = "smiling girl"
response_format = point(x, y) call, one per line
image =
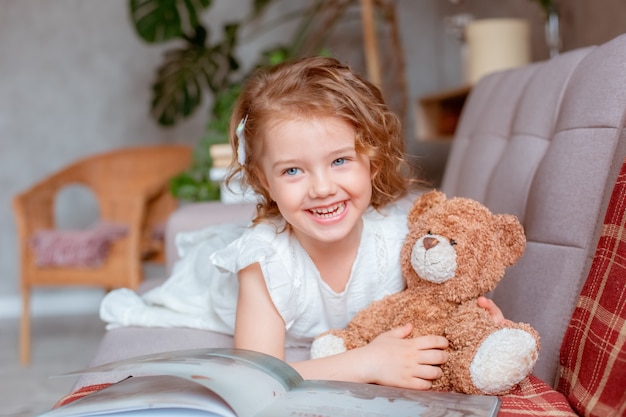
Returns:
point(323, 152)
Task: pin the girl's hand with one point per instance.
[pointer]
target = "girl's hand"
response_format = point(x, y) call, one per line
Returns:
point(393, 360)
point(493, 310)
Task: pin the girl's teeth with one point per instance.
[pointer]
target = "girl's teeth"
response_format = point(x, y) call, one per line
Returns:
point(329, 212)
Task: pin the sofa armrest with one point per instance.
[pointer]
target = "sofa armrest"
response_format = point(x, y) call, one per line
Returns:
point(195, 216)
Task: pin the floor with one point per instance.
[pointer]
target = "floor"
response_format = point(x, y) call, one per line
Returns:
point(60, 344)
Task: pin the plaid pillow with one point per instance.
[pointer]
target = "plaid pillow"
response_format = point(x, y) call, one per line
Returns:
point(533, 397)
point(593, 352)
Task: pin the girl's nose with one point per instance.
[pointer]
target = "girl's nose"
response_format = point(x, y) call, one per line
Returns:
point(322, 185)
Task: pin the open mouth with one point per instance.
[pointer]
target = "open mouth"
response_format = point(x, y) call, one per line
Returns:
point(328, 212)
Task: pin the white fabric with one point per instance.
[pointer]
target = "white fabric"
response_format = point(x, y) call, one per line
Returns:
point(183, 299)
point(201, 294)
point(306, 303)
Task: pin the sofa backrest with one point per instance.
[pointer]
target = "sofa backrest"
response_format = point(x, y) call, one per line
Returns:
point(545, 142)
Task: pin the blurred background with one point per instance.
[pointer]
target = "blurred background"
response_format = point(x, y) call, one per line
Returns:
point(76, 78)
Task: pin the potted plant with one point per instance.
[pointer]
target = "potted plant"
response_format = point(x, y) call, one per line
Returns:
point(202, 62)
point(199, 64)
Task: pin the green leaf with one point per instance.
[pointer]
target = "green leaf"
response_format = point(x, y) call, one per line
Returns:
point(185, 186)
point(177, 91)
point(193, 9)
point(275, 55)
point(223, 59)
point(223, 105)
point(162, 20)
point(208, 191)
point(199, 37)
point(259, 6)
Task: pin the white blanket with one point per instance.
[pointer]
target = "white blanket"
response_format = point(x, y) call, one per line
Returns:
point(183, 299)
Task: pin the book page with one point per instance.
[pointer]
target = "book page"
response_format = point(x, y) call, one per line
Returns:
point(148, 396)
point(347, 399)
point(248, 381)
point(257, 385)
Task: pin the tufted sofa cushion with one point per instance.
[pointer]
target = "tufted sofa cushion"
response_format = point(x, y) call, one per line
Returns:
point(543, 142)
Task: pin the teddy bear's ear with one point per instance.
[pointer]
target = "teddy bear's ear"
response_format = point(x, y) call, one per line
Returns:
point(512, 237)
point(424, 203)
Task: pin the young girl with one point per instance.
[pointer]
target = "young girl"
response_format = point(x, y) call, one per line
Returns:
point(319, 146)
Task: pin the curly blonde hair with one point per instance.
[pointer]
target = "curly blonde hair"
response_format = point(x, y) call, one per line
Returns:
point(319, 87)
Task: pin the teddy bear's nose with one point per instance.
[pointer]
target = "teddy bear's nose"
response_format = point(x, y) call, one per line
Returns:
point(430, 242)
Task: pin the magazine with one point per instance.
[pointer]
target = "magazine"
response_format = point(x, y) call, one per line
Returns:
point(242, 383)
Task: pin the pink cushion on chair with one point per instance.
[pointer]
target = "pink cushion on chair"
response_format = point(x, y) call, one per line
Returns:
point(76, 248)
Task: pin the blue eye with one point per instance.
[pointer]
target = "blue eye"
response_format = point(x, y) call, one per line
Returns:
point(292, 171)
point(339, 161)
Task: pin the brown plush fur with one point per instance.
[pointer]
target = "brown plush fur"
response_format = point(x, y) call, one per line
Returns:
point(485, 244)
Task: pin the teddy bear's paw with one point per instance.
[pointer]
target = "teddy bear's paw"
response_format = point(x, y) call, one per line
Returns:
point(503, 359)
point(327, 345)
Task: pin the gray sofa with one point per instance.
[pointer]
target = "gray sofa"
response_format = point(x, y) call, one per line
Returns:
point(543, 142)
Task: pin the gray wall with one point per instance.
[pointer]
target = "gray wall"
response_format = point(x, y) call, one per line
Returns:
point(75, 80)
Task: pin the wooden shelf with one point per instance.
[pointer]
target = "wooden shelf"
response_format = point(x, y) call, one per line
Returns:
point(437, 115)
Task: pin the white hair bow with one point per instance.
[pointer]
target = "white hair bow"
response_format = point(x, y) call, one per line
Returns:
point(241, 146)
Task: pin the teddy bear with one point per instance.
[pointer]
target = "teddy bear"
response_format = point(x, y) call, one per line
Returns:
point(455, 251)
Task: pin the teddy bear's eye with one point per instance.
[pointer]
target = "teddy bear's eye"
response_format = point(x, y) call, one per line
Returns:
point(452, 242)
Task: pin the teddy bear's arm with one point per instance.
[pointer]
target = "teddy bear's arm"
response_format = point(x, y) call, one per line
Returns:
point(488, 358)
point(468, 324)
point(372, 321)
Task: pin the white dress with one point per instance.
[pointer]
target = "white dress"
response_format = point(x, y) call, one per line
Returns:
point(306, 303)
point(201, 291)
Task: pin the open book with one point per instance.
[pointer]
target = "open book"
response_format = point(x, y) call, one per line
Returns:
point(241, 383)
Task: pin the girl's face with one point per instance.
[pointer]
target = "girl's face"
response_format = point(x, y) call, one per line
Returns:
point(320, 184)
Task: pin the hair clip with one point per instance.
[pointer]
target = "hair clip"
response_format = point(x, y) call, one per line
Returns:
point(241, 138)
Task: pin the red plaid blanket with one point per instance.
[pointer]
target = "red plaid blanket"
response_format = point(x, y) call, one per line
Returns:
point(593, 353)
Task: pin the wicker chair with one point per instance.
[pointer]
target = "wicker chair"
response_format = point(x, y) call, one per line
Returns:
point(131, 187)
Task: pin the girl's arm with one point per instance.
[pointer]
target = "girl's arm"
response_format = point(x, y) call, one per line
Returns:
point(390, 359)
point(258, 325)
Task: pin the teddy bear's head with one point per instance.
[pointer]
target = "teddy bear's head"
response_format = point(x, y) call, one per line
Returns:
point(457, 248)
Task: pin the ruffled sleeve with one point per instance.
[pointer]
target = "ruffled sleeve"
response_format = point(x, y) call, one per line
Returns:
point(254, 245)
point(271, 250)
